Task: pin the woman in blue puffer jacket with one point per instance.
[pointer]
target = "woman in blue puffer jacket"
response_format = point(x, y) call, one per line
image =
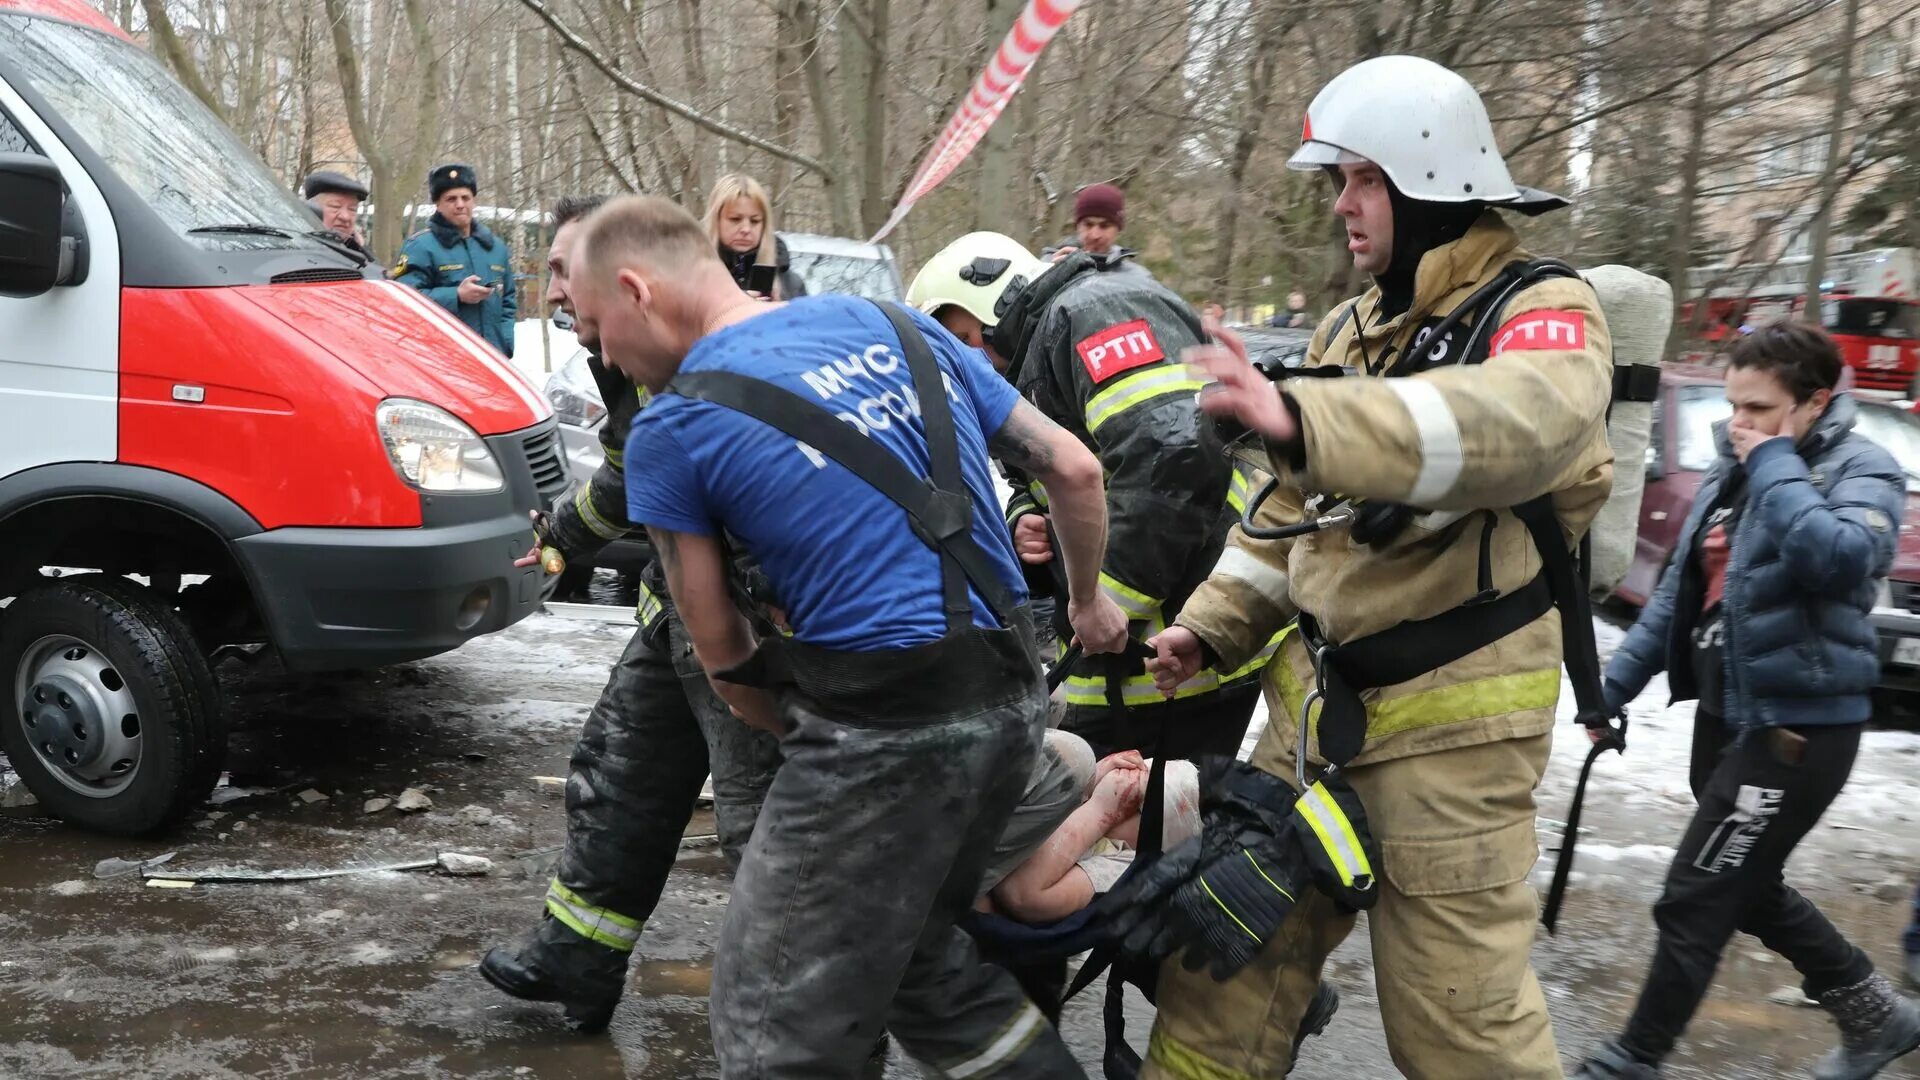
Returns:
point(1762, 616)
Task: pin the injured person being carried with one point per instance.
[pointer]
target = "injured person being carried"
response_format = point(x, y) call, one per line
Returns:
point(1077, 829)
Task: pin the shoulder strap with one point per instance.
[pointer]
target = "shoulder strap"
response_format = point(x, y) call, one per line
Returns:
point(1566, 579)
point(1340, 320)
point(1519, 275)
point(943, 447)
point(942, 518)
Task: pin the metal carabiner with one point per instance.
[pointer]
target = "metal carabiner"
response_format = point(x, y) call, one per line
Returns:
point(1314, 696)
point(1318, 695)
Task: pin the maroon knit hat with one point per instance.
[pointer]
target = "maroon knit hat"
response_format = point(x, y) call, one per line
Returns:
point(1101, 200)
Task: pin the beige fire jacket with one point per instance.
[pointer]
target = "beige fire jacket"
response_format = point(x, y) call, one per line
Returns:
point(1462, 442)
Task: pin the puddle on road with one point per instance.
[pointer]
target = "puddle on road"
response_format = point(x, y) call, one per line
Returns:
point(657, 977)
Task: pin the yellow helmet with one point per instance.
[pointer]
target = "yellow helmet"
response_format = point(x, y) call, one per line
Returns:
point(975, 273)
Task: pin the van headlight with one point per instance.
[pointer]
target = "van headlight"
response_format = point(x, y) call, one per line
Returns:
point(433, 451)
point(574, 394)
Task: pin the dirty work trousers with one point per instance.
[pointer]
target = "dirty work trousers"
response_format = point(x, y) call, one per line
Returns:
point(1205, 725)
point(871, 843)
point(1756, 800)
point(1451, 933)
point(648, 745)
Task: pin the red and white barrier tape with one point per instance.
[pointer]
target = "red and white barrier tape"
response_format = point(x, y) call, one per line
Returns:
point(991, 92)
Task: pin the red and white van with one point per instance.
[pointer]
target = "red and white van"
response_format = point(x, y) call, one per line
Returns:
point(196, 384)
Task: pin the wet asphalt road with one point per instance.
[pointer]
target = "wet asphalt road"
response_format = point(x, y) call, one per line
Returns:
point(371, 977)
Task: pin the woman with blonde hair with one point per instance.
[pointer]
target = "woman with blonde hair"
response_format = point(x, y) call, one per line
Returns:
point(740, 223)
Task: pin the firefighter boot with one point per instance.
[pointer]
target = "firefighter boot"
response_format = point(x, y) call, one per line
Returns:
point(558, 965)
point(1610, 1062)
point(1876, 1025)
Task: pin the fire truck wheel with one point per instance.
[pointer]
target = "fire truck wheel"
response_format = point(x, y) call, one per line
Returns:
point(110, 713)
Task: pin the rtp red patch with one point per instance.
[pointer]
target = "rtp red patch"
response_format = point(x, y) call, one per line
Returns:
point(1119, 348)
point(1540, 330)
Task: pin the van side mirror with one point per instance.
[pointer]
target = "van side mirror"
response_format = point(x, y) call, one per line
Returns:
point(30, 203)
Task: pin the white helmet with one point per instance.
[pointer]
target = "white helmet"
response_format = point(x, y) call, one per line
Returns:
point(974, 274)
point(1425, 127)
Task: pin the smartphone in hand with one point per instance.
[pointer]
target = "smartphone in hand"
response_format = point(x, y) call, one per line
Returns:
point(760, 279)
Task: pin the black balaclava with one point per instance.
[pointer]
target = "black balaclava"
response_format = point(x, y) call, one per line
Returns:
point(1419, 226)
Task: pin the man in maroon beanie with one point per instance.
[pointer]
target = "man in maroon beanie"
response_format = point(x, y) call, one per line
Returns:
point(1099, 213)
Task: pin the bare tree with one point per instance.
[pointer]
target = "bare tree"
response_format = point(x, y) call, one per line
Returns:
point(1836, 127)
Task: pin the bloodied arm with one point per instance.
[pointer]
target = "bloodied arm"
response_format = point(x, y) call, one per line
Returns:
point(696, 571)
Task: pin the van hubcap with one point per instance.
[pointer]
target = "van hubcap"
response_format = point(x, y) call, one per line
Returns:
point(78, 716)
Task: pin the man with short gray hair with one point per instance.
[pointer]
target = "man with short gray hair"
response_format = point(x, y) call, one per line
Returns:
point(843, 445)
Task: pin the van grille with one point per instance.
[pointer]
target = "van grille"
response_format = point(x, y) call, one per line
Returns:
point(549, 465)
point(1906, 595)
point(308, 277)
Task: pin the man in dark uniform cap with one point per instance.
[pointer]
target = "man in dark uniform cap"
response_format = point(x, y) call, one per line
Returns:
point(336, 198)
point(459, 263)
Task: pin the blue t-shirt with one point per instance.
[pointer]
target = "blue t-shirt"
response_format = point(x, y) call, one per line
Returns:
point(841, 557)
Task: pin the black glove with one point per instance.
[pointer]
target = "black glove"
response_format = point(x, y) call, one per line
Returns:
point(1224, 894)
point(1237, 902)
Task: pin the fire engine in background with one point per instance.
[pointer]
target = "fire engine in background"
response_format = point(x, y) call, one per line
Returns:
point(1870, 303)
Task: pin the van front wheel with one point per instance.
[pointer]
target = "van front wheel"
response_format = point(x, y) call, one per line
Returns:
point(111, 715)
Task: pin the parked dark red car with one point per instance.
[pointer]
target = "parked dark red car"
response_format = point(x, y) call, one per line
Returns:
point(1692, 400)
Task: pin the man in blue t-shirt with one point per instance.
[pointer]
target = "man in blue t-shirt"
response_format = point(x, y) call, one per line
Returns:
point(908, 693)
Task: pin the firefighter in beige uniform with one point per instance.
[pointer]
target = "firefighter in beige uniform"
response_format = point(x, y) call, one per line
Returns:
point(1433, 462)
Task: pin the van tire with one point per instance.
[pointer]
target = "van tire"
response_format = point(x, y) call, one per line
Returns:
point(150, 659)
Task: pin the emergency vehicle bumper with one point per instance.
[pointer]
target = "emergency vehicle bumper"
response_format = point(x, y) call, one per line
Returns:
point(349, 598)
point(1899, 633)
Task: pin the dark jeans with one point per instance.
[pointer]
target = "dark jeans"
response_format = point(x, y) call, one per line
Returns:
point(870, 846)
point(651, 739)
point(1758, 797)
point(1202, 726)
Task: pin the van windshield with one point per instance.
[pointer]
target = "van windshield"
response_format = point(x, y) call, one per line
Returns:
point(824, 273)
point(158, 138)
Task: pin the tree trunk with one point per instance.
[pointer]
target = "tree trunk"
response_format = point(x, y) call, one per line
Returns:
point(1274, 22)
point(304, 67)
point(179, 57)
point(873, 122)
point(993, 193)
point(516, 143)
point(1680, 251)
point(1836, 127)
point(839, 200)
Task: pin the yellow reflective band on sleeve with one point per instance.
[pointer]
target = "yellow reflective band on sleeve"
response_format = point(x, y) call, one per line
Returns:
point(597, 924)
point(644, 394)
point(1139, 689)
point(1039, 493)
point(618, 459)
point(1184, 1062)
point(594, 519)
point(1124, 394)
point(649, 608)
point(1240, 490)
point(1138, 605)
point(1336, 834)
